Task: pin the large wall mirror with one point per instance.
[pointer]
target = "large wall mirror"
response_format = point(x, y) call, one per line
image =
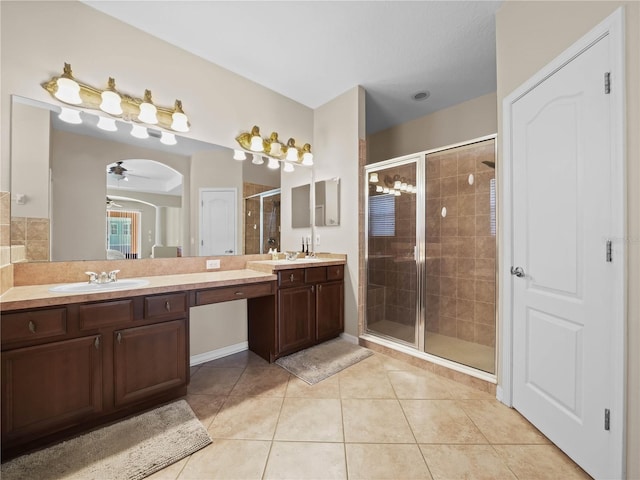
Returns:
point(82, 193)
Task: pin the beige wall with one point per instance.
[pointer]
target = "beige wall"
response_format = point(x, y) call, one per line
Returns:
point(468, 120)
point(530, 35)
point(217, 326)
point(219, 103)
point(336, 133)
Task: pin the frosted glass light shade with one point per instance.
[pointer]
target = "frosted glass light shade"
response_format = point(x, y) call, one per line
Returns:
point(68, 91)
point(273, 164)
point(70, 115)
point(138, 131)
point(373, 178)
point(168, 138)
point(379, 188)
point(275, 149)
point(257, 160)
point(288, 167)
point(239, 155)
point(307, 158)
point(180, 122)
point(292, 154)
point(111, 103)
point(397, 184)
point(108, 124)
point(256, 144)
point(148, 113)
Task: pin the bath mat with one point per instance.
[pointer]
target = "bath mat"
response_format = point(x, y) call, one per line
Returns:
point(131, 449)
point(321, 361)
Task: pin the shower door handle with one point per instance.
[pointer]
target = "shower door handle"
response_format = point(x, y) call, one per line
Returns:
point(517, 271)
point(228, 251)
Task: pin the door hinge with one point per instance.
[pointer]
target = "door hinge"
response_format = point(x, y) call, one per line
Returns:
point(607, 415)
point(609, 252)
point(607, 82)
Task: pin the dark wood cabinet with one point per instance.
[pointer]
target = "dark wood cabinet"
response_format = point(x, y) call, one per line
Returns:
point(329, 310)
point(309, 310)
point(148, 360)
point(296, 318)
point(48, 387)
point(68, 368)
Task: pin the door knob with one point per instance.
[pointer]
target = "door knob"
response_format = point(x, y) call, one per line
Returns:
point(517, 271)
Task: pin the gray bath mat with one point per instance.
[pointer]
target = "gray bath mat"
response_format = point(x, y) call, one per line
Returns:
point(321, 361)
point(131, 449)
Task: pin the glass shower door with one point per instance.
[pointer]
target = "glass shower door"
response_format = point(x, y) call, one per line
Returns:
point(392, 300)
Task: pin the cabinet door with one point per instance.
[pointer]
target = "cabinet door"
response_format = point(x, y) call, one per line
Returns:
point(149, 360)
point(329, 310)
point(49, 387)
point(296, 319)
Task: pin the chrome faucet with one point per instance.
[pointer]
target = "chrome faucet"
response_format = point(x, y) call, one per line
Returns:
point(103, 277)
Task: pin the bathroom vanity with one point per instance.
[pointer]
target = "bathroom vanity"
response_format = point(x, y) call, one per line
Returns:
point(74, 361)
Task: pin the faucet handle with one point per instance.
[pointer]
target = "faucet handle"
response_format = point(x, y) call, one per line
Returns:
point(113, 275)
point(93, 277)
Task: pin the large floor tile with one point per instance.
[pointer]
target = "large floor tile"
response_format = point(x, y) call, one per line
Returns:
point(310, 420)
point(259, 381)
point(365, 385)
point(214, 381)
point(327, 388)
point(171, 472)
point(419, 385)
point(501, 424)
point(539, 462)
point(301, 461)
point(440, 421)
point(385, 461)
point(205, 407)
point(375, 421)
point(465, 462)
point(228, 459)
point(249, 418)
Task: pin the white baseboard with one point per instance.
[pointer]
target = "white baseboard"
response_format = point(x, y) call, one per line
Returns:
point(349, 338)
point(219, 353)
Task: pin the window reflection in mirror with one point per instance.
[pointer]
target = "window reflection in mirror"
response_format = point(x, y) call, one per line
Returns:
point(63, 215)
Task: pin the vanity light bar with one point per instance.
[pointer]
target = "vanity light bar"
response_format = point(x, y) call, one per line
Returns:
point(67, 89)
point(272, 148)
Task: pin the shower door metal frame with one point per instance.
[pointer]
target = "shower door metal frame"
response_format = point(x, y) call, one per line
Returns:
point(420, 158)
point(419, 255)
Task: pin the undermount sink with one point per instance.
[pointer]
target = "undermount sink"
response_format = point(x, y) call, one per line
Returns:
point(85, 287)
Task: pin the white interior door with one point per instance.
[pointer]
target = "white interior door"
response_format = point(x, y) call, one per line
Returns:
point(565, 299)
point(218, 221)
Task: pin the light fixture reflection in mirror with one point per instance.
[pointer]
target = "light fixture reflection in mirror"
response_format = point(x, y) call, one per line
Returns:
point(138, 131)
point(168, 138)
point(239, 155)
point(69, 115)
point(107, 124)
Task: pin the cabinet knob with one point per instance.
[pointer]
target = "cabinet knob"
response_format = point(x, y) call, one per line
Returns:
point(96, 342)
point(167, 306)
point(119, 337)
point(291, 277)
point(320, 287)
point(32, 326)
point(239, 293)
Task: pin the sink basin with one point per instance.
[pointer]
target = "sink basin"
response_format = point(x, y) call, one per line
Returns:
point(84, 287)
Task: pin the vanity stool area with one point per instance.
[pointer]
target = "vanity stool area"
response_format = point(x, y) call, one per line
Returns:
point(73, 362)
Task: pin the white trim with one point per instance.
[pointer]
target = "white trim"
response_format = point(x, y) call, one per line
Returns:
point(409, 350)
point(219, 353)
point(349, 338)
point(613, 26)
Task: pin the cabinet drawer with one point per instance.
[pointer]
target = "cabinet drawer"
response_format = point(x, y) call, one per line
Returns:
point(315, 274)
point(225, 294)
point(335, 272)
point(291, 278)
point(165, 307)
point(96, 315)
point(17, 327)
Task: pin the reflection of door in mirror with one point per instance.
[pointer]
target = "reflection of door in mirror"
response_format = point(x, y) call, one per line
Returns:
point(218, 232)
point(261, 219)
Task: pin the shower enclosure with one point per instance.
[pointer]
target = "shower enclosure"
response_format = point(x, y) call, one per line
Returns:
point(430, 253)
point(262, 222)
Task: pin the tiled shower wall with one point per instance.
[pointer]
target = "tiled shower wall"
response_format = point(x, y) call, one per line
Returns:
point(461, 246)
point(392, 269)
point(30, 238)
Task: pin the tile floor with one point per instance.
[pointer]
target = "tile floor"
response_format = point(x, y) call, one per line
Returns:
point(379, 419)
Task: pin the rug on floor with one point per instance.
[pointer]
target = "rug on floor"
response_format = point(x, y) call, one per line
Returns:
point(131, 449)
point(321, 361)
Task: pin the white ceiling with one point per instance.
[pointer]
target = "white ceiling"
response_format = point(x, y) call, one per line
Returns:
point(392, 48)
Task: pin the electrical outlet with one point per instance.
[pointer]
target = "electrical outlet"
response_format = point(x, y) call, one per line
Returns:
point(213, 264)
point(317, 240)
